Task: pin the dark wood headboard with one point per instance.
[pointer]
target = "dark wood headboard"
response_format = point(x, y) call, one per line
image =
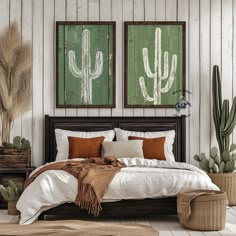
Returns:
point(106, 123)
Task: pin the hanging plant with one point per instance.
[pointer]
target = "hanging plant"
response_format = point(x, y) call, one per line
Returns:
point(15, 78)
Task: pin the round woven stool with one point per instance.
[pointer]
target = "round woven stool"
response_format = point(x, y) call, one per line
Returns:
point(202, 209)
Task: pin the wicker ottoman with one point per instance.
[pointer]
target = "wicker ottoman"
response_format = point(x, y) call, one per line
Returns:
point(202, 209)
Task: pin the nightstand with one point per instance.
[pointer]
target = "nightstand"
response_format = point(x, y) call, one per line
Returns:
point(17, 171)
point(13, 173)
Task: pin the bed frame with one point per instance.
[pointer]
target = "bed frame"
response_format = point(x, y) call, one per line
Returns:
point(122, 208)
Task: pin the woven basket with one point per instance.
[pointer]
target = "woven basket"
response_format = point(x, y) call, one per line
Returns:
point(227, 183)
point(208, 212)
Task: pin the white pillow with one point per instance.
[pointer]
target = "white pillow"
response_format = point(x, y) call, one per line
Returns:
point(63, 144)
point(122, 135)
point(119, 149)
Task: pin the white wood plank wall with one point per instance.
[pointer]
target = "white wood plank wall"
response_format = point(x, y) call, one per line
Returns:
point(211, 39)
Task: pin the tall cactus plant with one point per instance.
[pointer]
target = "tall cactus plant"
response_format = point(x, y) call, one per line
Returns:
point(157, 75)
point(85, 73)
point(224, 119)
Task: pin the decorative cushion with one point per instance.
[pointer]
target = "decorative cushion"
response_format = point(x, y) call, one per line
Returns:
point(153, 148)
point(63, 144)
point(122, 135)
point(85, 147)
point(119, 149)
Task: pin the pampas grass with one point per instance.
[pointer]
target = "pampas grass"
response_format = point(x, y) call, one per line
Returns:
point(15, 78)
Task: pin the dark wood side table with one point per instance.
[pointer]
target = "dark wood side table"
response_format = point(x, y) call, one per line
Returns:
point(23, 172)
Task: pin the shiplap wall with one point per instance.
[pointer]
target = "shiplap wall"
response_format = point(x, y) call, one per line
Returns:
point(211, 39)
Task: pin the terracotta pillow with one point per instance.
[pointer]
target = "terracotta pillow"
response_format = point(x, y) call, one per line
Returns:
point(153, 148)
point(85, 147)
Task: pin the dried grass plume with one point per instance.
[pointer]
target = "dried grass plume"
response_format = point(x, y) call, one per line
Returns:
point(15, 78)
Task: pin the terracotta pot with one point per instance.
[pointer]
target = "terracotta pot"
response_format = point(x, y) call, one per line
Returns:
point(12, 209)
point(227, 183)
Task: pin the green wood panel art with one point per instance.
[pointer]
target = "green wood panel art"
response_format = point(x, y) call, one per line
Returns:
point(155, 63)
point(85, 64)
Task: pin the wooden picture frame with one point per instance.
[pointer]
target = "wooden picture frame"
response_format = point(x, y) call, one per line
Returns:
point(150, 45)
point(85, 64)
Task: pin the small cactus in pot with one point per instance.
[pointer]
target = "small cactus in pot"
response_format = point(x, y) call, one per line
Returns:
point(11, 194)
point(18, 143)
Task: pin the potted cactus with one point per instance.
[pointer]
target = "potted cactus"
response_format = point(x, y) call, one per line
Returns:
point(11, 194)
point(222, 166)
point(16, 154)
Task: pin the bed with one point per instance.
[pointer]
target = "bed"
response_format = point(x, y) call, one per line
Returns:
point(130, 207)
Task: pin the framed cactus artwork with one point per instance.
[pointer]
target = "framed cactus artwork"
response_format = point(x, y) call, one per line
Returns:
point(154, 64)
point(85, 55)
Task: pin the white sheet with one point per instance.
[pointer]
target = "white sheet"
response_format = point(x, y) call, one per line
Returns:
point(142, 178)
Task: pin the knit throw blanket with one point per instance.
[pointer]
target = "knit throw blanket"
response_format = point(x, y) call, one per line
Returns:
point(94, 176)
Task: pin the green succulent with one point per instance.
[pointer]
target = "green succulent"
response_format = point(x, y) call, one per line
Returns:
point(25, 144)
point(18, 143)
point(8, 145)
point(216, 163)
point(12, 192)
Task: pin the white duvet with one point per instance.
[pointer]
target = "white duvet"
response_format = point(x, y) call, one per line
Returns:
point(142, 178)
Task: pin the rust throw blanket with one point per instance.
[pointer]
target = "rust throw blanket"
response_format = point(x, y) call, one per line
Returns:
point(94, 176)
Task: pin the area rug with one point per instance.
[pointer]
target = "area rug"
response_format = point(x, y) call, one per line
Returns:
point(76, 228)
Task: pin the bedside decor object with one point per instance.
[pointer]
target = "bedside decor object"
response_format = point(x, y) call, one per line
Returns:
point(181, 103)
point(154, 63)
point(16, 174)
point(11, 194)
point(202, 209)
point(15, 78)
point(225, 161)
point(85, 64)
point(16, 154)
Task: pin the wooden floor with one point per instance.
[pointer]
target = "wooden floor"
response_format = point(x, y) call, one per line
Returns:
point(166, 225)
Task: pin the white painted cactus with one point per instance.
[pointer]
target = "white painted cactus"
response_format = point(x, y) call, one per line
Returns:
point(157, 75)
point(85, 73)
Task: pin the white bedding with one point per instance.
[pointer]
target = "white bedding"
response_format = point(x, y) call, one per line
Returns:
point(142, 178)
